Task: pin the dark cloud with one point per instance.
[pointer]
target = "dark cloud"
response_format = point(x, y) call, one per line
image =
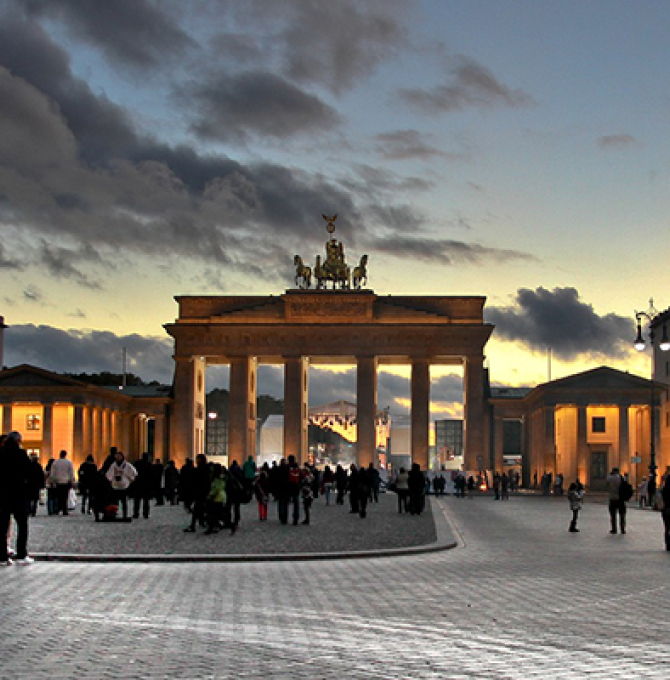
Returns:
point(60, 262)
point(6, 260)
point(447, 252)
point(32, 293)
point(133, 32)
point(403, 145)
point(470, 85)
point(621, 141)
point(230, 108)
point(558, 319)
point(77, 351)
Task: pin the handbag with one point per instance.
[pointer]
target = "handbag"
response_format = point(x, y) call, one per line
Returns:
point(72, 499)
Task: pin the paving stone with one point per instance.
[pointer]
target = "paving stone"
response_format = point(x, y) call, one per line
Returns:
point(519, 597)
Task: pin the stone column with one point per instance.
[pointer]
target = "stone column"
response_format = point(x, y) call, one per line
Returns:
point(366, 410)
point(47, 432)
point(6, 418)
point(582, 446)
point(624, 439)
point(188, 419)
point(242, 409)
point(499, 440)
point(96, 421)
point(78, 445)
point(159, 439)
point(473, 424)
point(296, 381)
point(420, 391)
point(550, 439)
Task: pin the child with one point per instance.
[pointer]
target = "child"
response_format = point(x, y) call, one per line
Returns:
point(216, 499)
point(262, 490)
point(575, 498)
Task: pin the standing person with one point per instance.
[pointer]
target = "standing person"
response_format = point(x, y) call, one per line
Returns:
point(36, 483)
point(216, 499)
point(352, 486)
point(121, 475)
point(262, 492)
point(642, 491)
point(340, 484)
point(86, 473)
point(306, 492)
point(665, 513)
point(496, 486)
point(575, 498)
point(402, 489)
point(281, 491)
point(52, 506)
point(200, 492)
point(141, 487)
point(171, 482)
point(249, 472)
point(15, 466)
point(157, 482)
point(616, 505)
point(417, 484)
point(294, 484)
point(236, 490)
point(364, 486)
point(62, 475)
point(375, 482)
point(327, 483)
point(504, 487)
point(187, 484)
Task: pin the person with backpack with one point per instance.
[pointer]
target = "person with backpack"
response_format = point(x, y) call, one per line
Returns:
point(617, 488)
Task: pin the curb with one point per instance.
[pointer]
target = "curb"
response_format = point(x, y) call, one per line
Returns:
point(445, 541)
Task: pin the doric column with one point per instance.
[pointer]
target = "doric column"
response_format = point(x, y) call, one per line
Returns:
point(242, 409)
point(188, 418)
point(159, 439)
point(47, 431)
point(474, 412)
point(366, 410)
point(498, 428)
point(96, 421)
point(78, 445)
point(624, 438)
point(582, 446)
point(420, 391)
point(6, 418)
point(550, 439)
point(296, 380)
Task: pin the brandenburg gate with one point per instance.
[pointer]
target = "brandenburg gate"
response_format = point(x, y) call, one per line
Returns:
point(343, 324)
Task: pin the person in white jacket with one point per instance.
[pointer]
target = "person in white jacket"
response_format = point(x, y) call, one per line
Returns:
point(61, 476)
point(121, 475)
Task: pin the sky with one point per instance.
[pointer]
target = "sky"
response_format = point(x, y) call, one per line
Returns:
point(514, 149)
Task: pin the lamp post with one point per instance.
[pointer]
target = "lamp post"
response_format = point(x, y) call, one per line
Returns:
point(651, 317)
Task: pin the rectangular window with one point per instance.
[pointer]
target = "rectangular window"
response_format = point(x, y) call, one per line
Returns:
point(32, 422)
point(598, 424)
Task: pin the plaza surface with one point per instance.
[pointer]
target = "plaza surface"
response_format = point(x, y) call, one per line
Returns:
point(519, 597)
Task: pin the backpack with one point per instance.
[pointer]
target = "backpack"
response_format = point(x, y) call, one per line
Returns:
point(625, 490)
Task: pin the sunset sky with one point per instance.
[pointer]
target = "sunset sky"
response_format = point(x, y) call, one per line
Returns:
point(513, 149)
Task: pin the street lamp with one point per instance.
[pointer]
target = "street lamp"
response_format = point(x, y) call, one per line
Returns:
point(651, 316)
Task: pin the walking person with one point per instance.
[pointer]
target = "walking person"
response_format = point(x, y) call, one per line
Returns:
point(576, 499)
point(52, 505)
point(216, 499)
point(327, 483)
point(642, 491)
point(340, 484)
point(15, 466)
point(236, 491)
point(417, 485)
point(306, 492)
point(294, 483)
point(62, 475)
point(141, 487)
point(262, 493)
point(504, 487)
point(171, 482)
point(352, 487)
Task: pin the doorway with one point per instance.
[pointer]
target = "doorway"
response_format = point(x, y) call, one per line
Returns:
point(598, 476)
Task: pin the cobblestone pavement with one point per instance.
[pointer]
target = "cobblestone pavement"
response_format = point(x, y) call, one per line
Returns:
point(519, 598)
point(333, 529)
